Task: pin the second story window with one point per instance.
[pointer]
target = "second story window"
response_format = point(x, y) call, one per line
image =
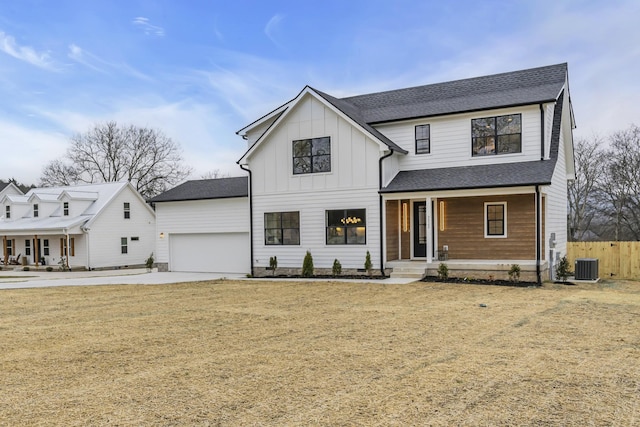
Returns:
point(7, 212)
point(423, 139)
point(127, 210)
point(65, 209)
point(496, 135)
point(35, 210)
point(312, 155)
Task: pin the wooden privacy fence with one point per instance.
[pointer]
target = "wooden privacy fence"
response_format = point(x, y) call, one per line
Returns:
point(616, 260)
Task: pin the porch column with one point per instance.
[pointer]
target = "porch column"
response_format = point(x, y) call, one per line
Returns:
point(4, 250)
point(429, 213)
point(68, 249)
point(36, 249)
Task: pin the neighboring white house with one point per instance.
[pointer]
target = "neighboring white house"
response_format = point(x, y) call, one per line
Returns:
point(472, 172)
point(203, 226)
point(85, 226)
point(8, 188)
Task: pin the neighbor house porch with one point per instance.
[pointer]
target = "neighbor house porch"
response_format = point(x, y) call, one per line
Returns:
point(20, 250)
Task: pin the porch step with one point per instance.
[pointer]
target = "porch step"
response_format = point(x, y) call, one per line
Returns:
point(408, 270)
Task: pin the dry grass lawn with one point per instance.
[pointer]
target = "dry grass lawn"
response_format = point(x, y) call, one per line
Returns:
point(275, 353)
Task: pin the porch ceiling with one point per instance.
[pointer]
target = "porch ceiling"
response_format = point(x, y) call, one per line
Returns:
point(473, 177)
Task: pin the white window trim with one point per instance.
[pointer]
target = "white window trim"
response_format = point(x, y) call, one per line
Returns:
point(494, 236)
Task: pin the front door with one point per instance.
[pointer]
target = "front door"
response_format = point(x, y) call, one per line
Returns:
point(419, 229)
point(37, 250)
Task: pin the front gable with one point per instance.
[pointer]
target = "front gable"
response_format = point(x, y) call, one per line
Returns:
point(352, 159)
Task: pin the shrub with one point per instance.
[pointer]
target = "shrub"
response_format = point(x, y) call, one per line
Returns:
point(25, 268)
point(514, 273)
point(273, 264)
point(49, 268)
point(307, 265)
point(563, 269)
point(337, 268)
point(443, 271)
point(367, 263)
point(149, 262)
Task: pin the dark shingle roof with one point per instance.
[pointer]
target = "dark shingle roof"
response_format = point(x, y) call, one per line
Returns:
point(519, 174)
point(221, 188)
point(471, 177)
point(531, 86)
point(356, 116)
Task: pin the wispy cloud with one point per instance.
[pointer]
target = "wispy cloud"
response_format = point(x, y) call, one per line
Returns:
point(25, 53)
point(147, 27)
point(272, 27)
point(87, 59)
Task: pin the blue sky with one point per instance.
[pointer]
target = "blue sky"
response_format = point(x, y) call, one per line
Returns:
point(200, 70)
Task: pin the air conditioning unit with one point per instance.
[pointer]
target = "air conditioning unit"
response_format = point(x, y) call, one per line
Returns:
point(586, 269)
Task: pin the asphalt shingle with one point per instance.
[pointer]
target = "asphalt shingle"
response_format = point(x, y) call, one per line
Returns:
point(203, 189)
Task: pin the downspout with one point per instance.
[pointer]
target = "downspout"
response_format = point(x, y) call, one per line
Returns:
point(541, 132)
point(250, 215)
point(538, 235)
point(380, 209)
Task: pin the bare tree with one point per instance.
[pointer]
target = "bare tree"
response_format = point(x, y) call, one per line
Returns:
point(622, 184)
point(214, 174)
point(583, 191)
point(147, 158)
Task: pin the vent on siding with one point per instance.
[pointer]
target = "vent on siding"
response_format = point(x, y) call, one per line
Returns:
point(586, 269)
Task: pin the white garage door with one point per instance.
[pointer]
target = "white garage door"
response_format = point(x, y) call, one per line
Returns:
point(212, 252)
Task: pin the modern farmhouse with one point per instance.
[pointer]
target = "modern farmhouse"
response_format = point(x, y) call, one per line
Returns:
point(472, 173)
point(85, 226)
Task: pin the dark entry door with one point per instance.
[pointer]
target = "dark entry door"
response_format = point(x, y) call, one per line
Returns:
point(37, 249)
point(419, 229)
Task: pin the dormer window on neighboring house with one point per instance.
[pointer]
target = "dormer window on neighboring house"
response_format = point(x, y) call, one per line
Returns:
point(65, 208)
point(312, 155)
point(7, 212)
point(35, 210)
point(127, 210)
point(496, 135)
point(423, 139)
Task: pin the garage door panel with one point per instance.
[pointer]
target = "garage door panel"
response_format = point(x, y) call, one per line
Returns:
point(210, 252)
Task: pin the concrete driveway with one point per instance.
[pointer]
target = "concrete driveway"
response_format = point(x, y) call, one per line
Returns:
point(19, 279)
point(39, 279)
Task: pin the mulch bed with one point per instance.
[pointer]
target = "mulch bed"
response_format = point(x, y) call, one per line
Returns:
point(468, 281)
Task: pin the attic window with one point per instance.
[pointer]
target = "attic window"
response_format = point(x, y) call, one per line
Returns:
point(65, 208)
point(312, 155)
point(127, 210)
point(7, 212)
point(496, 135)
point(35, 210)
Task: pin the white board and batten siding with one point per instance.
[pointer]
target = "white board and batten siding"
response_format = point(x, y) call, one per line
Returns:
point(106, 231)
point(351, 184)
point(204, 235)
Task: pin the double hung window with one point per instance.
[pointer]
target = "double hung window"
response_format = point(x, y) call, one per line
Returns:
point(496, 135)
point(282, 228)
point(346, 227)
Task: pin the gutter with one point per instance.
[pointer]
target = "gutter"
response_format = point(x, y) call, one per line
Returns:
point(380, 207)
point(250, 215)
point(541, 132)
point(538, 235)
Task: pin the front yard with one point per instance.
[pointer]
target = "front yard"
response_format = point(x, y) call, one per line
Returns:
point(284, 353)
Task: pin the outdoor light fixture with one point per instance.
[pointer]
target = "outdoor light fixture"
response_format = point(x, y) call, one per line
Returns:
point(405, 217)
point(162, 235)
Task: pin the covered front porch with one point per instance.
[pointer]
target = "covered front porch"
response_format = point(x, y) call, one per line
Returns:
point(477, 234)
point(40, 250)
